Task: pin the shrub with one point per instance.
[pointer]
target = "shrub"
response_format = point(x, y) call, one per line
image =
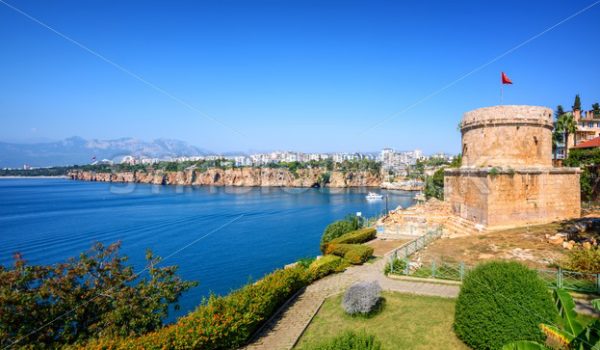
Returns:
point(350, 341)
point(361, 298)
point(338, 228)
point(397, 265)
point(358, 254)
point(305, 262)
point(358, 236)
point(583, 260)
point(220, 322)
point(502, 302)
point(71, 302)
point(328, 264)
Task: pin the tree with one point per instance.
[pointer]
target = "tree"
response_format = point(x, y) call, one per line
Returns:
point(559, 111)
point(589, 161)
point(434, 185)
point(567, 125)
point(557, 137)
point(596, 108)
point(577, 103)
point(97, 294)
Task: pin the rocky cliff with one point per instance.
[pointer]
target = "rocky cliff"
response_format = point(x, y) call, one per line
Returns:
point(254, 177)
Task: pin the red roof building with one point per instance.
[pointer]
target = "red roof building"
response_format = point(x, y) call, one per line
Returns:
point(593, 143)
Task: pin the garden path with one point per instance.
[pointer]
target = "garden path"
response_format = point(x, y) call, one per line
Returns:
point(285, 328)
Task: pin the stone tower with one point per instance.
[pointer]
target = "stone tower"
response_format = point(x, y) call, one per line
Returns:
point(506, 178)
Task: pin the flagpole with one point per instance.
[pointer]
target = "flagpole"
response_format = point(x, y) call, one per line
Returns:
point(501, 94)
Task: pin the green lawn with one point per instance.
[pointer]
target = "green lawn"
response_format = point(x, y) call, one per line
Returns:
point(406, 322)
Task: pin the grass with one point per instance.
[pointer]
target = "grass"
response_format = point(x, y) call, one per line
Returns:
point(405, 322)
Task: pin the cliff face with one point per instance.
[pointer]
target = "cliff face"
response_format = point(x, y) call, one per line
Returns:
point(254, 177)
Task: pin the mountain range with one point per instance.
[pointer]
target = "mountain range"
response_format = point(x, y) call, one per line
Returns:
point(77, 150)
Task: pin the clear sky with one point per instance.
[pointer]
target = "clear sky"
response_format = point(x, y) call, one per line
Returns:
point(297, 75)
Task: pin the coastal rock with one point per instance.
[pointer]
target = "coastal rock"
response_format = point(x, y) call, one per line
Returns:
point(251, 177)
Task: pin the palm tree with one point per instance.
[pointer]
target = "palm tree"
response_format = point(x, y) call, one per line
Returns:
point(567, 125)
point(557, 137)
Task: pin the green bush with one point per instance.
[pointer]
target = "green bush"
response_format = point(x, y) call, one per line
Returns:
point(358, 254)
point(220, 322)
point(305, 262)
point(328, 264)
point(398, 265)
point(339, 228)
point(502, 302)
point(358, 236)
point(583, 260)
point(338, 249)
point(350, 341)
point(107, 297)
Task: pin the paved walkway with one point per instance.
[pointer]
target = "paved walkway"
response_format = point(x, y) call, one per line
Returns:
point(286, 327)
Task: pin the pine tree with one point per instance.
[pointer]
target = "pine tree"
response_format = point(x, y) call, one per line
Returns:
point(577, 103)
point(559, 111)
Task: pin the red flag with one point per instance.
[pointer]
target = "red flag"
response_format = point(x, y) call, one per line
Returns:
point(505, 79)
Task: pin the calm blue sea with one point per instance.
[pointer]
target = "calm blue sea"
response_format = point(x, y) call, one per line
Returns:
point(49, 220)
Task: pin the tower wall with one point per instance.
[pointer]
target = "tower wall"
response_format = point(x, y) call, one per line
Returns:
point(506, 178)
point(507, 136)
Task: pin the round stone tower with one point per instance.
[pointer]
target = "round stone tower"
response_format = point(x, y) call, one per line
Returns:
point(507, 178)
point(507, 136)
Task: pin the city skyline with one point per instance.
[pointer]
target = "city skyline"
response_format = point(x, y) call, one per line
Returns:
point(239, 77)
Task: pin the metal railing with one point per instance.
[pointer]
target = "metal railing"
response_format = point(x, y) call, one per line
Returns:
point(413, 246)
point(571, 280)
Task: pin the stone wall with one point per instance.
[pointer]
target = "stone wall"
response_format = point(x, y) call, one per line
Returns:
point(506, 178)
point(509, 198)
point(507, 136)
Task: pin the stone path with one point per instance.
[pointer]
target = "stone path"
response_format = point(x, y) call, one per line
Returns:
point(285, 328)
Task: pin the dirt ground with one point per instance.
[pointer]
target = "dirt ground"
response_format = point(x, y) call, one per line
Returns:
point(527, 245)
point(383, 246)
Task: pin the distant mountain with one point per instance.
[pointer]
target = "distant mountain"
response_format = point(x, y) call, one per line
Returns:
point(76, 150)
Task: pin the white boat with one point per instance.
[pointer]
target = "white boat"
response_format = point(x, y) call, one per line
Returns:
point(372, 196)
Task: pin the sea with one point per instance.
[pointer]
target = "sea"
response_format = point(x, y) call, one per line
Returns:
point(221, 237)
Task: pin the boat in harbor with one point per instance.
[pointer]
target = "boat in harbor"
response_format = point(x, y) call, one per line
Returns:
point(372, 196)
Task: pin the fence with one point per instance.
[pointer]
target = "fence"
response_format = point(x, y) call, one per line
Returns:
point(411, 247)
point(570, 280)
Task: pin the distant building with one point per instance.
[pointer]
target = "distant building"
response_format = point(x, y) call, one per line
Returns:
point(588, 128)
point(593, 143)
point(129, 160)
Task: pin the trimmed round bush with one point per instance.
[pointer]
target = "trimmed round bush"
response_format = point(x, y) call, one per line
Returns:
point(326, 265)
point(358, 254)
point(361, 298)
point(502, 302)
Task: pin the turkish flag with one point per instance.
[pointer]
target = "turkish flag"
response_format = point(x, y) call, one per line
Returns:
point(505, 79)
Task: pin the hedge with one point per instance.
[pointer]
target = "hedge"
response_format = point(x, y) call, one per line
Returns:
point(355, 253)
point(326, 265)
point(358, 254)
point(221, 322)
point(502, 302)
point(358, 236)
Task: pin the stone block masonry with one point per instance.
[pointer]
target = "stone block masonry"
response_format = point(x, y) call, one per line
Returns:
point(506, 178)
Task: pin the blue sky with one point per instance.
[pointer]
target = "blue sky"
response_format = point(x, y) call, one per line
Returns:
point(298, 75)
